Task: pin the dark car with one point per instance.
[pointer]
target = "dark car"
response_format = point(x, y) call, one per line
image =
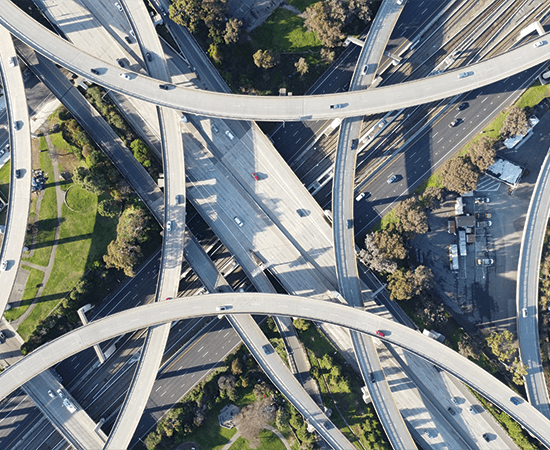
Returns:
point(487, 437)
point(515, 400)
point(148, 56)
point(128, 39)
point(164, 86)
point(18, 173)
point(455, 123)
point(462, 106)
point(451, 411)
point(95, 71)
point(268, 349)
point(350, 224)
point(120, 62)
point(354, 144)
point(372, 378)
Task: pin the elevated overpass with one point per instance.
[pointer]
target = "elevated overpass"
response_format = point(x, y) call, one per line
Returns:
point(242, 303)
point(351, 104)
point(527, 297)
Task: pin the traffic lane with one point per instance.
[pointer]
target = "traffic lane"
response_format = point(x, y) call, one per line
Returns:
point(435, 147)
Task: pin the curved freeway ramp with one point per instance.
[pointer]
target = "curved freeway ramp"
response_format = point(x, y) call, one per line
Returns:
point(174, 233)
point(314, 107)
point(344, 243)
point(21, 162)
point(242, 303)
point(528, 290)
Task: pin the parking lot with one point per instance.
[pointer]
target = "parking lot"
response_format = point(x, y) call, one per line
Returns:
point(483, 290)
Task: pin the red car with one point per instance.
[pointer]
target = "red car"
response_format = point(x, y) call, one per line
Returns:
point(256, 177)
point(380, 333)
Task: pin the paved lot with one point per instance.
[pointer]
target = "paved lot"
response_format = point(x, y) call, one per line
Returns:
point(485, 295)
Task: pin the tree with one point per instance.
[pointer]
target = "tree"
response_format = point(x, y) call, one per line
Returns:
point(265, 59)
point(92, 181)
point(460, 175)
point(301, 324)
point(215, 52)
point(482, 154)
point(109, 208)
point(79, 175)
point(401, 285)
point(519, 370)
point(361, 8)
point(319, 20)
point(432, 197)
point(501, 344)
point(516, 122)
point(423, 278)
point(237, 366)
point(384, 248)
point(232, 31)
point(141, 152)
point(412, 217)
point(302, 67)
point(190, 13)
point(327, 55)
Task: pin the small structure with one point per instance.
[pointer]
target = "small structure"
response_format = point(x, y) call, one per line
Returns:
point(459, 206)
point(453, 257)
point(505, 171)
point(462, 242)
point(465, 222)
point(227, 414)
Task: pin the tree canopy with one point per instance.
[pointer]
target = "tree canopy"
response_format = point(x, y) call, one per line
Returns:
point(515, 123)
point(460, 175)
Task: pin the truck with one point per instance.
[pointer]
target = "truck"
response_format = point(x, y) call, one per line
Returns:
point(451, 226)
point(69, 405)
point(484, 215)
point(484, 223)
point(462, 242)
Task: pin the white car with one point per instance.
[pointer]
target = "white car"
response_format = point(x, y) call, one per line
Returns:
point(126, 76)
point(539, 44)
point(238, 221)
point(3, 266)
point(183, 118)
point(169, 225)
point(117, 6)
point(12, 61)
point(51, 394)
point(60, 393)
point(360, 197)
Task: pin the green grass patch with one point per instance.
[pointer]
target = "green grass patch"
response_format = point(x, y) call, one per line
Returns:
point(210, 435)
point(31, 288)
point(301, 4)
point(47, 217)
point(59, 142)
point(83, 238)
point(284, 31)
point(79, 199)
point(43, 144)
point(268, 441)
point(5, 173)
point(534, 95)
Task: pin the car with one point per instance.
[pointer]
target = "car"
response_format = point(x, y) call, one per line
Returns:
point(69, 405)
point(430, 433)
point(183, 118)
point(392, 179)
point(18, 173)
point(516, 401)
point(16, 125)
point(132, 33)
point(327, 424)
point(524, 312)
point(399, 2)
point(164, 86)
point(117, 6)
point(2, 337)
point(120, 62)
point(223, 307)
point(214, 128)
point(4, 266)
point(487, 437)
point(60, 393)
point(95, 71)
point(124, 75)
point(455, 123)
point(51, 394)
point(455, 401)
point(380, 333)
point(360, 197)
point(462, 106)
point(485, 261)
point(365, 69)
point(451, 411)
point(483, 215)
point(479, 200)
point(382, 123)
point(128, 39)
point(268, 349)
point(337, 106)
point(465, 74)
point(255, 176)
point(539, 44)
point(169, 225)
point(472, 410)
point(437, 368)
point(12, 61)
point(354, 144)
point(372, 377)
point(148, 56)
point(238, 221)
point(179, 199)
point(229, 135)
point(350, 224)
